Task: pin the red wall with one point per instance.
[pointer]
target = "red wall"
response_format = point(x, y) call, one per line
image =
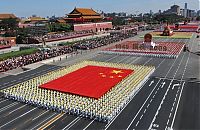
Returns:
point(10, 41)
point(93, 26)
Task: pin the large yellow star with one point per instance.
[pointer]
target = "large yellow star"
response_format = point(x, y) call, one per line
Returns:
point(117, 71)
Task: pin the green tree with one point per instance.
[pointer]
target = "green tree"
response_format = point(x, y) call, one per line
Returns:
point(171, 18)
point(118, 21)
point(9, 24)
point(55, 27)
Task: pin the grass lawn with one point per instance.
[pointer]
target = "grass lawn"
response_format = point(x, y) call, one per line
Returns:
point(66, 43)
point(177, 35)
point(17, 53)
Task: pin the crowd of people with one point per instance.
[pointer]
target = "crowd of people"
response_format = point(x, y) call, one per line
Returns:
point(98, 42)
point(102, 109)
point(21, 61)
point(60, 36)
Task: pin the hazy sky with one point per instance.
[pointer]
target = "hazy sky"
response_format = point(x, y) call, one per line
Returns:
point(24, 8)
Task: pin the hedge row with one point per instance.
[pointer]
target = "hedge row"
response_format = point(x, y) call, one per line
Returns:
point(17, 53)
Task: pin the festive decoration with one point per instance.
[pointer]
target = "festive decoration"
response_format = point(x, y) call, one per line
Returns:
point(103, 109)
point(89, 81)
point(153, 49)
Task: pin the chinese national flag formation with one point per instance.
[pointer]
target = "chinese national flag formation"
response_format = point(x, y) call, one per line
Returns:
point(89, 81)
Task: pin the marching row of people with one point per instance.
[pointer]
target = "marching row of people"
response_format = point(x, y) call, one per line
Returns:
point(102, 109)
point(145, 54)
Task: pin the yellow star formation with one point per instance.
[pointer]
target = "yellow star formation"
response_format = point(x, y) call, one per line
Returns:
point(117, 71)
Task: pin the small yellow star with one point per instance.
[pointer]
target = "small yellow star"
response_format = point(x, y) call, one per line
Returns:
point(111, 77)
point(103, 75)
point(119, 76)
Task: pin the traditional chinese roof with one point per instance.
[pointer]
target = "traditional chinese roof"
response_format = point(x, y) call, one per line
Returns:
point(7, 16)
point(37, 19)
point(61, 21)
point(91, 17)
point(83, 11)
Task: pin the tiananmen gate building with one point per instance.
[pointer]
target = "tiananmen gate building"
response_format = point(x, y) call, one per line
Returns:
point(87, 19)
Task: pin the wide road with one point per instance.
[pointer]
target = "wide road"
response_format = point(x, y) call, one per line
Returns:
point(169, 99)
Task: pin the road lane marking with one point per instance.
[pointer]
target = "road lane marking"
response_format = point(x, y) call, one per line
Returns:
point(29, 77)
point(143, 105)
point(157, 112)
point(170, 114)
point(17, 118)
point(155, 116)
point(8, 106)
point(77, 118)
point(163, 84)
point(177, 106)
point(147, 61)
point(5, 83)
point(108, 125)
point(165, 77)
point(160, 63)
point(51, 121)
point(145, 111)
point(137, 123)
point(4, 100)
point(17, 109)
point(43, 121)
point(181, 91)
point(111, 58)
point(151, 83)
point(175, 85)
point(141, 117)
point(88, 125)
point(73, 124)
point(39, 115)
point(148, 105)
point(51, 127)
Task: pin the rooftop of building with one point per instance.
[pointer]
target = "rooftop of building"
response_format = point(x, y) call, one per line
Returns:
point(83, 11)
point(7, 16)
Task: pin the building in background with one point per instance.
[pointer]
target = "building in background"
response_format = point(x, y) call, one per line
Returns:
point(182, 12)
point(151, 12)
point(191, 13)
point(185, 10)
point(83, 15)
point(11, 24)
point(7, 42)
point(174, 9)
point(198, 13)
point(35, 25)
point(95, 27)
point(7, 16)
point(159, 12)
point(84, 19)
